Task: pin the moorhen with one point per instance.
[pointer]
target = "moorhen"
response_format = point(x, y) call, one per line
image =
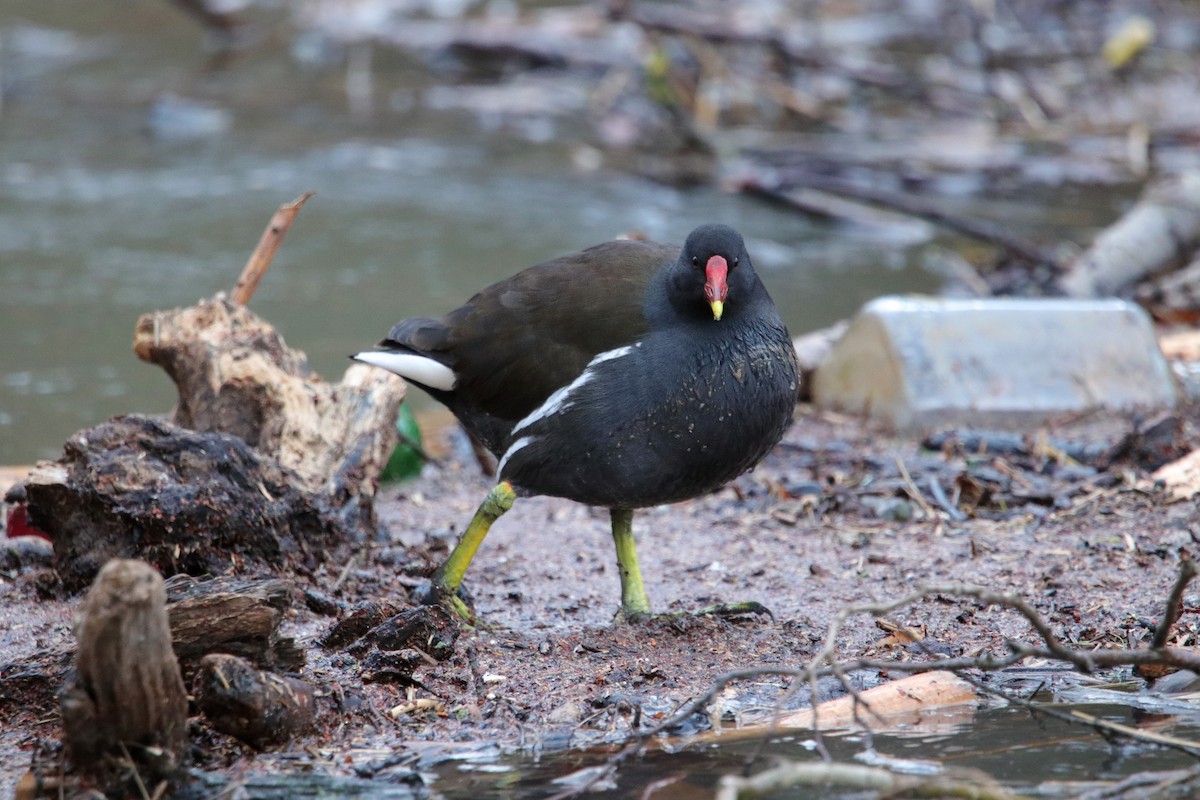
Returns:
point(628, 375)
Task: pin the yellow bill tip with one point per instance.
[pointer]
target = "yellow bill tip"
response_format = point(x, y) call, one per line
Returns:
point(718, 308)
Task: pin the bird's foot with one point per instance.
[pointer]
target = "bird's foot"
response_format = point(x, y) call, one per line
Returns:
point(744, 608)
point(456, 602)
point(738, 609)
point(728, 610)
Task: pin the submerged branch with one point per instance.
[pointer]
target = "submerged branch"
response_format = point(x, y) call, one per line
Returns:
point(776, 191)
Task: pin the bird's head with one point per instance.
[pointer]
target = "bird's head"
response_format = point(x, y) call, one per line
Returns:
point(715, 252)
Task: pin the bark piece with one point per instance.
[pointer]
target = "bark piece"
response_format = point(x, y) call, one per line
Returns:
point(127, 690)
point(235, 374)
point(255, 706)
point(362, 618)
point(392, 666)
point(427, 629)
point(232, 615)
point(184, 501)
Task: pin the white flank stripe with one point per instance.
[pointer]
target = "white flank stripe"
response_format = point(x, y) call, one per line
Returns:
point(421, 369)
point(558, 401)
point(517, 445)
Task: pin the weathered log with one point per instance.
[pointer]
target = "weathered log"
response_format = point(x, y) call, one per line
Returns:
point(258, 707)
point(235, 374)
point(231, 615)
point(1158, 233)
point(186, 502)
point(127, 691)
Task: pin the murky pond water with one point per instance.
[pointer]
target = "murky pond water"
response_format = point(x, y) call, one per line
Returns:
point(101, 222)
point(1023, 751)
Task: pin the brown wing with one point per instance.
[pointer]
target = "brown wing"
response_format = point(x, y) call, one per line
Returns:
point(515, 342)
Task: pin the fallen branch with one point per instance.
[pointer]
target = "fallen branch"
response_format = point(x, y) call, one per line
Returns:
point(776, 191)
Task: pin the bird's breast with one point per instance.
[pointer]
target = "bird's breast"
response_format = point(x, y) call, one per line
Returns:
point(658, 423)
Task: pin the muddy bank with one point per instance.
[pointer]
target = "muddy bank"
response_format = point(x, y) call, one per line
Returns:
point(829, 519)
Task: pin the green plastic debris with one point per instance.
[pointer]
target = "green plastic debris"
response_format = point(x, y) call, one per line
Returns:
point(406, 460)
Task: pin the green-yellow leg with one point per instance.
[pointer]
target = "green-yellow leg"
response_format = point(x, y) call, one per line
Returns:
point(449, 575)
point(634, 602)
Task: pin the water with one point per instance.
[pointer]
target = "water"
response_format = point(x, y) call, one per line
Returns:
point(1023, 751)
point(101, 222)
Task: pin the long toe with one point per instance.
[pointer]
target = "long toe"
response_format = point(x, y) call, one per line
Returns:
point(739, 609)
point(726, 610)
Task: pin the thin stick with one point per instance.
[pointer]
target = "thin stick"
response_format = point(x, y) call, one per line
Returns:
point(911, 487)
point(1187, 571)
point(260, 259)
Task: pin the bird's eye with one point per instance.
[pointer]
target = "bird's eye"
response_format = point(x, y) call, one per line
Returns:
point(695, 261)
point(735, 262)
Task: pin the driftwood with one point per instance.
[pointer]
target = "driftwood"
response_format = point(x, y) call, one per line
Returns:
point(906, 703)
point(265, 464)
point(231, 615)
point(257, 707)
point(1157, 234)
point(235, 374)
point(184, 501)
point(127, 693)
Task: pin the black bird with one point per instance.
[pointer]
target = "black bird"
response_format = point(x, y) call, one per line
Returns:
point(628, 375)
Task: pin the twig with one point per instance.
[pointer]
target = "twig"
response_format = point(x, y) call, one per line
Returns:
point(661, 783)
point(913, 491)
point(1187, 571)
point(260, 259)
point(137, 776)
point(345, 573)
point(1152, 784)
point(939, 496)
point(415, 446)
